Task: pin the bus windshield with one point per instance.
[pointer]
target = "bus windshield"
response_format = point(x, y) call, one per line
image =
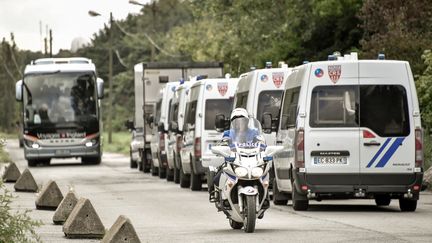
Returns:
point(58, 98)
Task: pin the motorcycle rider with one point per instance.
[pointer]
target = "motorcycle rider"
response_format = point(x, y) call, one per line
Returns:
point(240, 129)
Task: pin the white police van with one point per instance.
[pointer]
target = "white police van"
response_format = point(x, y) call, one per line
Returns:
point(208, 98)
point(175, 131)
point(154, 142)
point(168, 94)
point(351, 129)
point(260, 92)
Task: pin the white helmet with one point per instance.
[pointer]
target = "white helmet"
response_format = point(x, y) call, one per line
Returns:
point(239, 112)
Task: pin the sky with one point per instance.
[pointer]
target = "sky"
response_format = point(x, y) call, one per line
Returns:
point(68, 19)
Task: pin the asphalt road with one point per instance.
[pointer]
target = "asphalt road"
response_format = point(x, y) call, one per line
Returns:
point(163, 212)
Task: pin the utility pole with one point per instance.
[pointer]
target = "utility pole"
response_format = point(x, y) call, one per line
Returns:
point(110, 74)
point(50, 42)
point(46, 46)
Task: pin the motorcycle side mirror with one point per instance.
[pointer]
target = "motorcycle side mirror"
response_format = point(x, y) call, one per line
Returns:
point(271, 150)
point(223, 151)
point(220, 122)
point(266, 121)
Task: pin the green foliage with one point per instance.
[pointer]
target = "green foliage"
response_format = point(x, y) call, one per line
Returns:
point(15, 226)
point(400, 29)
point(424, 92)
point(427, 149)
point(120, 142)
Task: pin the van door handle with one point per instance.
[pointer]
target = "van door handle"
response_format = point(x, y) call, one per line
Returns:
point(278, 142)
point(372, 144)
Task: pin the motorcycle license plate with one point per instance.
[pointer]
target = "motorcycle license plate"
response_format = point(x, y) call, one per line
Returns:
point(330, 160)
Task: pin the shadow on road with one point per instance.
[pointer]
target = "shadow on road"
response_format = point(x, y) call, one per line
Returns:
point(350, 208)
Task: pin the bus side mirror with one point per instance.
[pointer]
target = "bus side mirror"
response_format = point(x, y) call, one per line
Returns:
point(100, 88)
point(220, 122)
point(266, 121)
point(18, 90)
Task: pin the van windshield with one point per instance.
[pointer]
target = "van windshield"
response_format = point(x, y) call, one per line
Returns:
point(381, 108)
point(269, 102)
point(215, 107)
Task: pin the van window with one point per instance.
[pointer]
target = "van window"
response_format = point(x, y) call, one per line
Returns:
point(241, 100)
point(191, 112)
point(214, 107)
point(381, 108)
point(384, 110)
point(173, 112)
point(269, 101)
point(158, 111)
point(289, 113)
point(334, 106)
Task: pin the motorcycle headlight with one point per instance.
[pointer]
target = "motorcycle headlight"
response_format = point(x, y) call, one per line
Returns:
point(257, 172)
point(241, 171)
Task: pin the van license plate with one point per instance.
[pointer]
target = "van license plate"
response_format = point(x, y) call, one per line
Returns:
point(330, 160)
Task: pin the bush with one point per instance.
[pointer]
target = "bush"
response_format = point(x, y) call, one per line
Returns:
point(427, 148)
point(15, 226)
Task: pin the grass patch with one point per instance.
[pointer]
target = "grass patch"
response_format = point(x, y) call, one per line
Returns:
point(120, 142)
point(4, 156)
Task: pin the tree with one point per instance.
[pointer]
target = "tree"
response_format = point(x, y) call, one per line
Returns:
point(400, 29)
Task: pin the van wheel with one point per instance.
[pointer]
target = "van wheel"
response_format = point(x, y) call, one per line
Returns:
point(407, 205)
point(298, 201)
point(176, 176)
point(279, 198)
point(196, 182)
point(154, 170)
point(184, 179)
point(382, 200)
point(169, 174)
point(162, 173)
point(133, 164)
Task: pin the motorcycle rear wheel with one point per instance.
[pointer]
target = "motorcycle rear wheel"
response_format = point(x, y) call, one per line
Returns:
point(235, 224)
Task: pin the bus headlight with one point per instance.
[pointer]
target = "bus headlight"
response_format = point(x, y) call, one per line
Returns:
point(241, 171)
point(257, 172)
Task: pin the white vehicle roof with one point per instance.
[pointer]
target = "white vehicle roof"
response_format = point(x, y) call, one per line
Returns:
point(270, 79)
point(221, 88)
point(60, 64)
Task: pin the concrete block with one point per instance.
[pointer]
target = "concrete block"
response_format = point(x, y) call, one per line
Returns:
point(12, 173)
point(122, 231)
point(50, 197)
point(26, 183)
point(65, 208)
point(83, 222)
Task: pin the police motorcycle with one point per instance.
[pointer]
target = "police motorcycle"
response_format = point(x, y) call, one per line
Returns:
point(242, 191)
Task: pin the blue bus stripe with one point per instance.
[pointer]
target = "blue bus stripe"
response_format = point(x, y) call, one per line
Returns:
point(390, 152)
point(378, 153)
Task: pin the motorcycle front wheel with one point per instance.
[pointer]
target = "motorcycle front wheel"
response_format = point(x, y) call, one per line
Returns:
point(249, 214)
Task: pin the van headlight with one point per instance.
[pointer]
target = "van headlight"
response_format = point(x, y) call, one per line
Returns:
point(241, 171)
point(257, 172)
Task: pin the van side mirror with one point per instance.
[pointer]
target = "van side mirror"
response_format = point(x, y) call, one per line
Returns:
point(266, 121)
point(223, 151)
point(100, 88)
point(18, 90)
point(221, 123)
point(129, 125)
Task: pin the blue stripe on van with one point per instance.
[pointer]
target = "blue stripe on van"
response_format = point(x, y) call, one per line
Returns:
point(378, 153)
point(395, 145)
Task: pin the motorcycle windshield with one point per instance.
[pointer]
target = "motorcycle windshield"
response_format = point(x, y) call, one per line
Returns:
point(246, 133)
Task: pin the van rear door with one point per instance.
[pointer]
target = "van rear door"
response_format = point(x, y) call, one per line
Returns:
point(387, 142)
point(331, 129)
